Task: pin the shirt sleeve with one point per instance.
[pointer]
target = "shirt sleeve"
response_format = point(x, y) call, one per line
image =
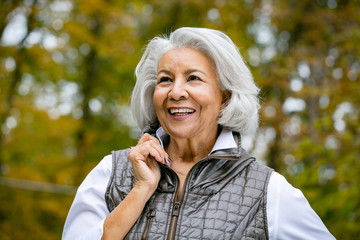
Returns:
point(290, 215)
point(88, 211)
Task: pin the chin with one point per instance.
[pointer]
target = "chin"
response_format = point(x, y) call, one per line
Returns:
point(181, 133)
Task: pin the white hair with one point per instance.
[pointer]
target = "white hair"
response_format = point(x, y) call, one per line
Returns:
point(241, 111)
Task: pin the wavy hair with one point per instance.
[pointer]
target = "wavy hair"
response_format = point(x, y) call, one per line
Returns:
point(241, 111)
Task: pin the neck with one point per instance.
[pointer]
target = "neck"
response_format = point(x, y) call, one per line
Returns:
point(193, 149)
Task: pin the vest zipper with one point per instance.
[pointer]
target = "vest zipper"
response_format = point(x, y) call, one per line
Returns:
point(177, 204)
point(149, 216)
point(176, 208)
point(173, 221)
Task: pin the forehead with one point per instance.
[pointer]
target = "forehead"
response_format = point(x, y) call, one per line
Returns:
point(186, 57)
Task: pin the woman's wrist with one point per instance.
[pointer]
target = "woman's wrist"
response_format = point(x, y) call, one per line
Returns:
point(144, 191)
point(120, 221)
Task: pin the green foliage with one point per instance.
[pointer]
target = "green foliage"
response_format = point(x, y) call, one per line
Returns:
point(65, 85)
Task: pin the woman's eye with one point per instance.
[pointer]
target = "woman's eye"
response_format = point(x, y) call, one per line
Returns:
point(164, 79)
point(192, 78)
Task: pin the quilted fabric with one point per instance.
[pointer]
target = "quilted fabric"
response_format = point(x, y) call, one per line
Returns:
point(224, 198)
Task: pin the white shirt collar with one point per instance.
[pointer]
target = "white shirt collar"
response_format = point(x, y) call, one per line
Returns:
point(225, 139)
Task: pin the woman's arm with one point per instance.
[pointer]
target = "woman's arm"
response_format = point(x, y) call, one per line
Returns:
point(289, 214)
point(89, 217)
point(123, 217)
point(88, 210)
point(146, 171)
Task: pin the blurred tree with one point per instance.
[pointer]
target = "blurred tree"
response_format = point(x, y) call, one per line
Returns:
point(62, 109)
point(17, 61)
point(311, 110)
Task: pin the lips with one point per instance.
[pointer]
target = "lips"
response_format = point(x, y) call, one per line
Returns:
point(181, 111)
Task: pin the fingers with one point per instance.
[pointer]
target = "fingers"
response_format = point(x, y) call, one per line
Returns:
point(147, 137)
point(149, 146)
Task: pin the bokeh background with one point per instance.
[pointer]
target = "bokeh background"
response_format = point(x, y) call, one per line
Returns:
point(67, 71)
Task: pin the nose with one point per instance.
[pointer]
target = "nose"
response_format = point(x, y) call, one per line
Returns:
point(178, 90)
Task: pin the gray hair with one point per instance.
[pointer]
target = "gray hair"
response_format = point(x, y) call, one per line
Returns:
point(241, 111)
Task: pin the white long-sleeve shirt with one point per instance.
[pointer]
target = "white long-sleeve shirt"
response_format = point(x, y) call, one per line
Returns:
point(289, 214)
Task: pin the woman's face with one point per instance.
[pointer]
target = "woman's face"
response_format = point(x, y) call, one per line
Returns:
point(187, 98)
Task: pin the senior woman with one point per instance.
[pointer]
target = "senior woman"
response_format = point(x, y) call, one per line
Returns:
point(188, 177)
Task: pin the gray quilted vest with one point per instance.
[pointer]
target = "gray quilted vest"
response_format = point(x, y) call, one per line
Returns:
point(224, 198)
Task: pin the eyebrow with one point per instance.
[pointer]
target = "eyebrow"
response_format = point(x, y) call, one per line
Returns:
point(187, 72)
point(165, 71)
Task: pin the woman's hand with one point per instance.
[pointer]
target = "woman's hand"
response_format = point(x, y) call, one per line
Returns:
point(143, 158)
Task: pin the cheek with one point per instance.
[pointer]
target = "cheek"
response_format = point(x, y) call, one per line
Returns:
point(210, 99)
point(158, 98)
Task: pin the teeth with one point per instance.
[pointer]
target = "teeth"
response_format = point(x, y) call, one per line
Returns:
point(181, 110)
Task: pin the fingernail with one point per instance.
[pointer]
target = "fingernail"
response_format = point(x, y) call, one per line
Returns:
point(168, 160)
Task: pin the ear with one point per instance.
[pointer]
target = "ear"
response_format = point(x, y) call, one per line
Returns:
point(226, 95)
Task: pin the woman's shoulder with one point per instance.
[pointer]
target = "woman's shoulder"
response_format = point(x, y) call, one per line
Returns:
point(280, 184)
point(100, 173)
point(279, 187)
point(106, 164)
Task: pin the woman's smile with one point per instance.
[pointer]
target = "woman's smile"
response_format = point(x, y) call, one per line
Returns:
point(180, 113)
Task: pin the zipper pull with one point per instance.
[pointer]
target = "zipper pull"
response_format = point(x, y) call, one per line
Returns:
point(149, 216)
point(176, 208)
point(151, 213)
